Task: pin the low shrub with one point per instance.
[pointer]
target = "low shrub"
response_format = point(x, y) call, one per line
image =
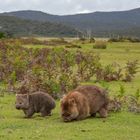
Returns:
point(130, 70)
point(33, 41)
point(114, 105)
point(82, 38)
point(134, 40)
point(134, 103)
point(73, 46)
point(100, 45)
point(54, 70)
point(2, 35)
point(58, 41)
point(113, 40)
point(92, 40)
point(113, 72)
point(124, 39)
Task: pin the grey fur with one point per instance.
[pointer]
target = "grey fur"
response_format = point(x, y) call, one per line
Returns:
point(37, 102)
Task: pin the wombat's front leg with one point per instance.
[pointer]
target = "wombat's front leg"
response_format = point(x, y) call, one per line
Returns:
point(103, 112)
point(81, 117)
point(49, 113)
point(93, 115)
point(45, 112)
point(28, 113)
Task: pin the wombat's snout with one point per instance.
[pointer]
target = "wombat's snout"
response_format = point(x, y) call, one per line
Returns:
point(65, 114)
point(66, 117)
point(17, 107)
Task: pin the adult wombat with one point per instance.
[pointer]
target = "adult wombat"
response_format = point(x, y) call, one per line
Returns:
point(84, 101)
point(35, 103)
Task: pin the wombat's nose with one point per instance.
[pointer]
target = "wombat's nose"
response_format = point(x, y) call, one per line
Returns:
point(65, 114)
point(17, 107)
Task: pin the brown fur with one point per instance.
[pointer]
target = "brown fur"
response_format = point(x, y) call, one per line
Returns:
point(35, 103)
point(84, 101)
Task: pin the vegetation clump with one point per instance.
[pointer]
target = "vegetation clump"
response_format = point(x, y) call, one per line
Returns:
point(134, 105)
point(124, 39)
point(131, 69)
point(2, 35)
point(55, 70)
point(100, 44)
point(92, 40)
point(73, 46)
point(114, 72)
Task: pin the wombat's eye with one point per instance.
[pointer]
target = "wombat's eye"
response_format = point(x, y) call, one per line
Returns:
point(20, 103)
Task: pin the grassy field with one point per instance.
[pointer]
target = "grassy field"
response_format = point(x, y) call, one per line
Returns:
point(118, 126)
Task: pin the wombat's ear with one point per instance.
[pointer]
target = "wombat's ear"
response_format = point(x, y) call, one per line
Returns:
point(62, 98)
point(61, 101)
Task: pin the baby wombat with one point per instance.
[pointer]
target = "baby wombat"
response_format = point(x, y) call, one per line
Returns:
point(84, 101)
point(35, 103)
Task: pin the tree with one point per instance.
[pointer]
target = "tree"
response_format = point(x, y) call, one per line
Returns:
point(2, 35)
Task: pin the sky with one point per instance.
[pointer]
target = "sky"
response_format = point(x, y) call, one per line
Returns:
point(67, 7)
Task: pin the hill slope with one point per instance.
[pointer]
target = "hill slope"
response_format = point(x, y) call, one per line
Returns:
point(22, 27)
point(101, 23)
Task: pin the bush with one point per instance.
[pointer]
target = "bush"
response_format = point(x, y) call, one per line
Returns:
point(100, 45)
point(35, 41)
point(58, 41)
point(92, 40)
point(31, 40)
point(73, 46)
point(53, 70)
point(2, 35)
point(118, 39)
point(113, 72)
point(113, 40)
point(82, 38)
point(134, 103)
point(130, 70)
point(124, 39)
point(134, 40)
point(114, 105)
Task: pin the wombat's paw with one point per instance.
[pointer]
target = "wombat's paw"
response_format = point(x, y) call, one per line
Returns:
point(45, 114)
point(93, 115)
point(50, 114)
point(103, 113)
point(27, 117)
point(82, 117)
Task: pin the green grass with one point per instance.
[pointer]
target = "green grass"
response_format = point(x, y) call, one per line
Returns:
point(120, 53)
point(13, 126)
point(117, 52)
point(118, 126)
